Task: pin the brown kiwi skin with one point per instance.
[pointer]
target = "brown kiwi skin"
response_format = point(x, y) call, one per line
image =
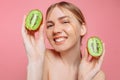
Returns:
point(87, 45)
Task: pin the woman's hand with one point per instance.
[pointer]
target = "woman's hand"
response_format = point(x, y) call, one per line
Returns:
point(35, 47)
point(89, 68)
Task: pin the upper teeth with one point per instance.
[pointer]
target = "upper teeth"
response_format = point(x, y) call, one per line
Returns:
point(59, 39)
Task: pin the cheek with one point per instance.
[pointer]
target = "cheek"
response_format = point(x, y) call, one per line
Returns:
point(76, 26)
point(48, 33)
point(68, 29)
point(72, 30)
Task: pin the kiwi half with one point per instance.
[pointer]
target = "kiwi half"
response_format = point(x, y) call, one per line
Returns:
point(33, 19)
point(95, 46)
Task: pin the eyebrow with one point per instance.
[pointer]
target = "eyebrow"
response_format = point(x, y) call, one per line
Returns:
point(63, 17)
point(49, 22)
point(60, 18)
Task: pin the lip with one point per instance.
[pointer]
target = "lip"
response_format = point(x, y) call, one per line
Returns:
point(59, 39)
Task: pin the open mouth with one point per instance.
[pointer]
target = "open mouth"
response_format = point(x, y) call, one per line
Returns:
point(60, 40)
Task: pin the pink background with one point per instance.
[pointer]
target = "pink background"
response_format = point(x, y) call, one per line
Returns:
point(103, 20)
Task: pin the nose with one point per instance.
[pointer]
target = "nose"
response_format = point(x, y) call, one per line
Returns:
point(57, 29)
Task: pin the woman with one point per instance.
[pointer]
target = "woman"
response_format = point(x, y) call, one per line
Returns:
point(65, 27)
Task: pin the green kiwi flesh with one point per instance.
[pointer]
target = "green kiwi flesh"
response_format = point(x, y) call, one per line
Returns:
point(95, 46)
point(33, 19)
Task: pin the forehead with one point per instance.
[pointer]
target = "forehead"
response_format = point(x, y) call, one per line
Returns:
point(59, 12)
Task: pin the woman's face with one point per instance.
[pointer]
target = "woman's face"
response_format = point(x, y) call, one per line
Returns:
point(63, 29)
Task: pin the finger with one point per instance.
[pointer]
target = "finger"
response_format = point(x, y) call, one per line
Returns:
point(32, 37)
point(90, 58)
point(23, 27)
point(102, 56)
point(86, 54)
point(41, 31)
point(100, 60)
point(24, 32)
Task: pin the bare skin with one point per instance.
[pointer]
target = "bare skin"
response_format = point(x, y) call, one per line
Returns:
point(65, 61)
point(57, 69)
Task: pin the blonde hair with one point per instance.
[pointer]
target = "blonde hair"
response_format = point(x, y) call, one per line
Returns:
point(69, 6)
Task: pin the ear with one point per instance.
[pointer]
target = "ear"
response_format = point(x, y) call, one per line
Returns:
point(83, 30)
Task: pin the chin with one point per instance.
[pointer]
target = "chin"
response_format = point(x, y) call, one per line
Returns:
point(62, 48)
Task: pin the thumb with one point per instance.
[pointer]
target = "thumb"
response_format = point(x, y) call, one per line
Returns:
point(86, 54)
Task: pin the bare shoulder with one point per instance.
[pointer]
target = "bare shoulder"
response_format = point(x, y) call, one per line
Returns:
point(100, 76)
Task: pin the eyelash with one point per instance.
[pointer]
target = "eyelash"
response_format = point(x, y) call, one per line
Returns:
point(49, 26)
point(64, 22)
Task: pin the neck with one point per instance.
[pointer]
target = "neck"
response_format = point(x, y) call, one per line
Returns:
point(71, 57)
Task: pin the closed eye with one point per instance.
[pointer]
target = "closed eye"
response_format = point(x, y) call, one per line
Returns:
point(64, 22)
point(48, 26)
